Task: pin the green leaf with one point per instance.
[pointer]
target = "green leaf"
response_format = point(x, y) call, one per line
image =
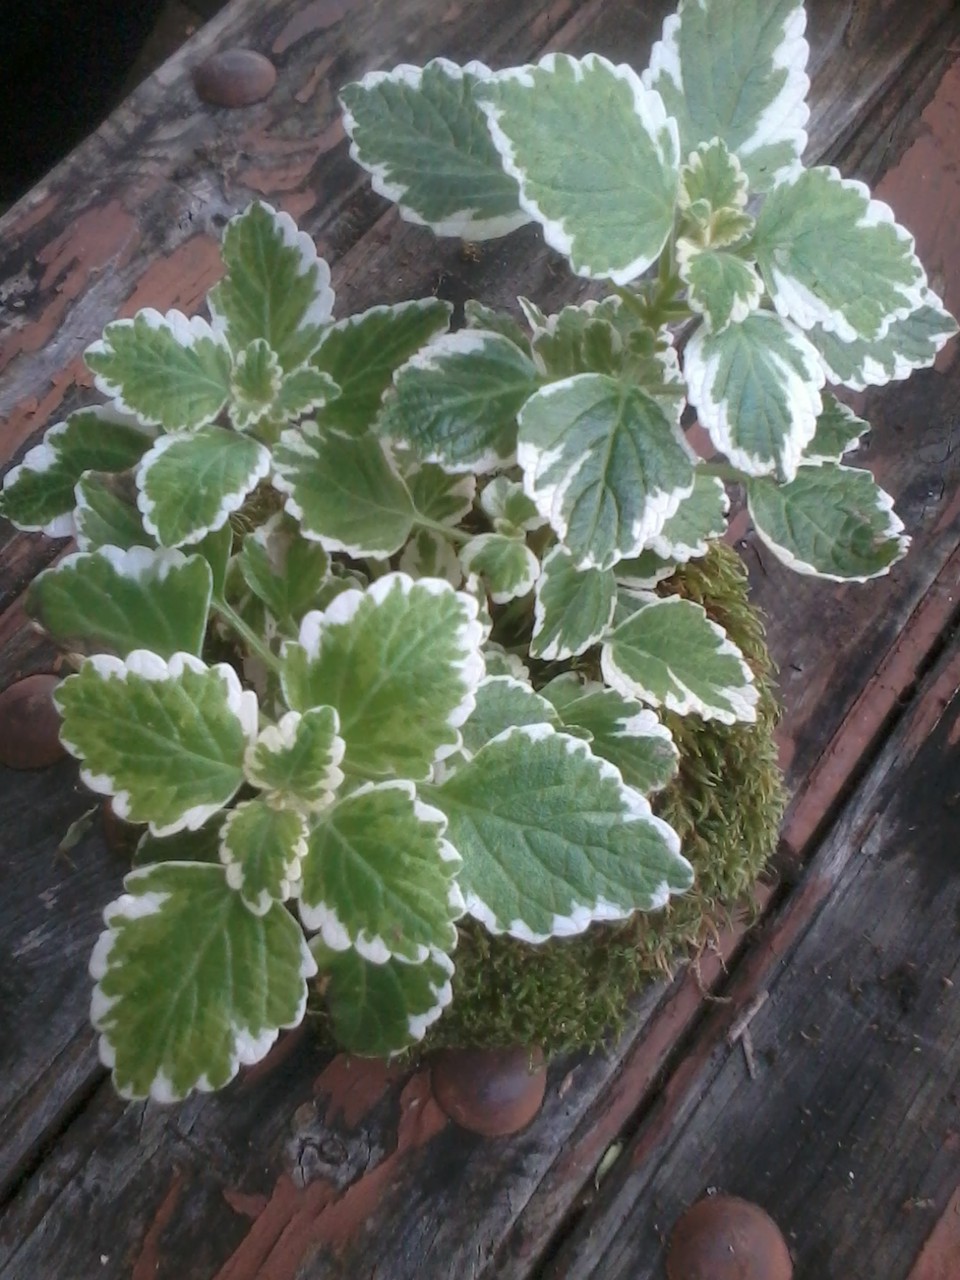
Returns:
point(363, 352)
point(699, 520)
point(714, 174)
point(605, 465)
point(430, 555)
point(190, 984)
point(297, 759)
point(643, 572)
point(191, 481)
point(202, 845)
point(580, 340)
point(456, 401)
point(381, 1009)
point(304, 389)
point(501, 663)
point(116, 601)
point(477, 316)
point(400, 662)
point(282, 568)
point(595, 156)
point(838, 431)
point(420, 135)
point(344, 491)
point(106, 511)
point(552, 839)
point(910, 343)
point(503, 701)
point(507, 565)
point(380, 877)
point(508, 508)
point(721, 287)
point(38, 494)
point(830, 255)
point(669, 654)
point(573, 607)
point(756, 387)
point(439, 496)
point(166, 740)
point(166, 370)
point(737, 72)
point(215, 549)
point(619, 729)
point(831, 521)
point(276, 287)
point(254, 385)
point(262, 847)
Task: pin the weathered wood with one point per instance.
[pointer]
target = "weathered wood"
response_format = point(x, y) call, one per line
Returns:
point(848, 1134)
point(210, 1170)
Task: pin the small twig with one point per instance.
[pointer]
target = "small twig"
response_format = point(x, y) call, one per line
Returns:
point(740, 1032)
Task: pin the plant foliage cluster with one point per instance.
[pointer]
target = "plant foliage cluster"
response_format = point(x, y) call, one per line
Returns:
point(369, 612)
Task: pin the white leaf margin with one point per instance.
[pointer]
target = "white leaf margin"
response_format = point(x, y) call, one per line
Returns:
point(464, 223)
point(322, 917)
point(636, 809)
point(803, 394)
point(786, 117)
point(247, 1049)
point(186, 331)
point(555, 651)
point(649, 109)
point(236, 873)
point(680, 552)
point(150, 666)
point(278, 738)
point(229, 502)
point(742, 700)
point(468, 638)
point(475, 548)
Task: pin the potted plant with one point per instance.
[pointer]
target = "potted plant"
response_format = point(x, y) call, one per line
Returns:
point(387, 632)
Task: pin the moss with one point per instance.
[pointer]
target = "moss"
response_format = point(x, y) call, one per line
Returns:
point(726, 803)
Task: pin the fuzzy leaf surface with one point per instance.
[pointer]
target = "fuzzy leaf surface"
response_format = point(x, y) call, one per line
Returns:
point(552, 838)
point(838, 431)
point(262, 847)
point(166, 740)
point(910, 343)
point(116, 601)
point(618, 728)
point(507, 565)
point(756, 387)
point(166, 370)
point(38, 493)
point(283, 568)
point(456, 401)
point(604, 463)
point(297, 759)
point(190, 984)
point(381, 1009)
point(830, 255)
point(737, 72)
point(668, 653)
point(344, 491)
point(831, 521)
point(276, 288)
point(721, 286)
point(106, 512)
point(502, 702)
point(700, 518)
point(714, 174)
point(191, 481)
point(379, 876)
point(603, 189)
point(573, 607)
point(400, 662)
point(420, 134)
point(362, 353)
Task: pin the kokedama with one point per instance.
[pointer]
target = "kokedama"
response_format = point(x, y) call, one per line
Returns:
point(413, 650)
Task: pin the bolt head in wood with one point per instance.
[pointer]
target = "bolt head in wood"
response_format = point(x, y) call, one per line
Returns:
point(490, 1091)
point(726, 1238)
point(30, 724)
point(235, 78)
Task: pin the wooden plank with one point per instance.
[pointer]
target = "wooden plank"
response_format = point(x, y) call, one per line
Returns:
point(848, 1134)
point(369, 265)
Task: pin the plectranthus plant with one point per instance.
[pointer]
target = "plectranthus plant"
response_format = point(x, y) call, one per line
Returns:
point(372, 618)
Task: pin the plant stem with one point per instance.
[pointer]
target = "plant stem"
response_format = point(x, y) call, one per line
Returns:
point(447, 531)
point(246, 634)
point(724, 471)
